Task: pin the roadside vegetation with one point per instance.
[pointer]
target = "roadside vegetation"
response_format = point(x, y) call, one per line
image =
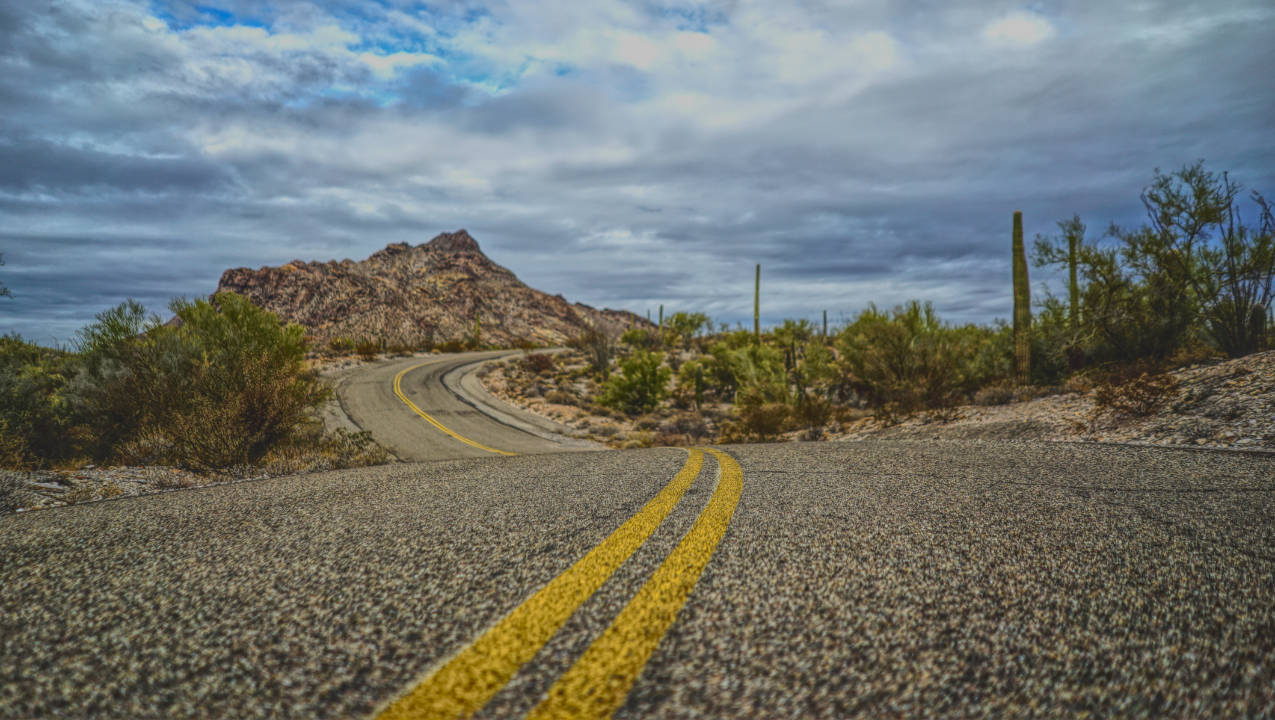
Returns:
point(223, 387)
point(1192, 284)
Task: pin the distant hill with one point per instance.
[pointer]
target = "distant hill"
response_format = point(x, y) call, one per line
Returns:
point(408, 294)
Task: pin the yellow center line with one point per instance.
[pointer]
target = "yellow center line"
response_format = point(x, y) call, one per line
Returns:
point(596, 685)
point(467, 681)
point(398, 390)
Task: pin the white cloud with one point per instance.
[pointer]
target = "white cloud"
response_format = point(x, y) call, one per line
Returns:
point(385, 66)
point(1018, 29)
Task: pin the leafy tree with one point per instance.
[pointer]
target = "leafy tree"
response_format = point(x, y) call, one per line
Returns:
point(639, 386)
point(1194, 272)
point(681, 329)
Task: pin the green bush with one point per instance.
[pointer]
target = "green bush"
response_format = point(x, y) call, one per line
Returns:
point(907, 360)
point(35, 425)
point(639, 386)
point(690, 384)
point(222, 387)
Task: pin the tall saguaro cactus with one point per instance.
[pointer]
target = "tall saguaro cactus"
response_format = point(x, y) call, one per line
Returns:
point(825, 324)
point(661, 316)
point(757, 306)
point(1075, 232)
point(1022, 305)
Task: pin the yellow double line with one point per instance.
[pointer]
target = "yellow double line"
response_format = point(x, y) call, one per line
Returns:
point(398, 390)
point(596, 685)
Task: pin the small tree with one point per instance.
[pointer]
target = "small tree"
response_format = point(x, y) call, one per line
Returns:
point(1245, 269)
point(639, 386)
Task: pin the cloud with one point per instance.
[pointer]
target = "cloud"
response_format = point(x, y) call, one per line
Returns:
point(1020, 29)
point(622, 154)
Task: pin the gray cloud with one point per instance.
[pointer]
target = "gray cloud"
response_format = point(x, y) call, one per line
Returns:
point(862, 153)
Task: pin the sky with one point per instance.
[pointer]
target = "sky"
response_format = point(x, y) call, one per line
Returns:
point(624, 154)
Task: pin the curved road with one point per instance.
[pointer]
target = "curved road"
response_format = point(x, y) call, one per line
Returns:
point(826, 580)
point(368, 396)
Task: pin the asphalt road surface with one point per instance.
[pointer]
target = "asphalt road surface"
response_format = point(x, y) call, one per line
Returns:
point(830, 580)
point(370, 397)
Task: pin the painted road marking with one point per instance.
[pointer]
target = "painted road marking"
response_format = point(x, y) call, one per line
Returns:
point(469, 679)
point(598, 682)
point(398, 390)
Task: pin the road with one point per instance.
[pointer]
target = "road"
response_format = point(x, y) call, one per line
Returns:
point(869, 579)
point(371, 399)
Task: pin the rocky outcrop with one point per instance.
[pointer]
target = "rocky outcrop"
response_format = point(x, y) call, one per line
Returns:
point(414, 295)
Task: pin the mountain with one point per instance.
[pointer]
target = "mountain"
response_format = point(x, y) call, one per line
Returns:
point(411, 295)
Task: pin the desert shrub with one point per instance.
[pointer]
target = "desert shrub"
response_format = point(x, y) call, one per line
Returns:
point(220, 388)
point(341, 345)
point(642, 339)
point(604, 430)
point(598, 347)
point(559, 397)
point(367, 349)
point(639, 439)
point(764, 420)
point(317, 451)
point(537, 363)
point(908, 360)
point(35, 426)
point(681, 329)
point(691, 383)
point(451, 346)
point(1001, 393)
point(690, 424)
point(1138, 397)
point(398, 349)
point(812, 412)
point(746, 374)
point(640, 384)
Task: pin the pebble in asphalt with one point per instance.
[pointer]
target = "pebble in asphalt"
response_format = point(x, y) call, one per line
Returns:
point(912, 579)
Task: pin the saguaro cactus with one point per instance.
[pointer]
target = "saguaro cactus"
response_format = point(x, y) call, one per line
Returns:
point(825, 324)
point(757, 306)
point(1075, 231)
point(1022, 305)
point(661, 317)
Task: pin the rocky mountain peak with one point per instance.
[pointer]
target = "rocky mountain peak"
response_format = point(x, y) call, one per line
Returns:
point(459, 241)
point(389, 251)
point(414, 296)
